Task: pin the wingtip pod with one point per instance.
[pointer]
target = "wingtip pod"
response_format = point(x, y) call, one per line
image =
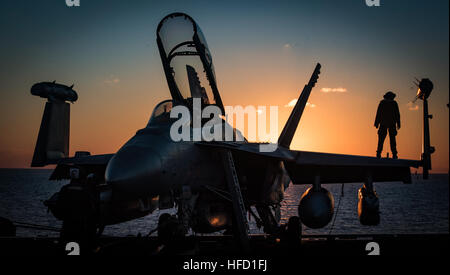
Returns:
point(54, 91)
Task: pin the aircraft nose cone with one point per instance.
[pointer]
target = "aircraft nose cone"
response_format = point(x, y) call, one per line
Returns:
point(134, 171)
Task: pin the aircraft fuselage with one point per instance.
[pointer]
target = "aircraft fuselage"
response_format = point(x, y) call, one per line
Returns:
point(152, 165)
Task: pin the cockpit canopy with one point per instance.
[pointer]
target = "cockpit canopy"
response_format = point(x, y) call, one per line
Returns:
point(161, 113)
point(187, 60)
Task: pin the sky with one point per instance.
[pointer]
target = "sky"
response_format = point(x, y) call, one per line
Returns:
point(263, 51)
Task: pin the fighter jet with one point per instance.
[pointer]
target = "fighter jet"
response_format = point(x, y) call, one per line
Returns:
point(213, 185)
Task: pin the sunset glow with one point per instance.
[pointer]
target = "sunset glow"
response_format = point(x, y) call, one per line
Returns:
point(263, 56)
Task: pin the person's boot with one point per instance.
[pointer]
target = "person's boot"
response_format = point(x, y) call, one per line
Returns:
point(378, 154)
point(394, 155)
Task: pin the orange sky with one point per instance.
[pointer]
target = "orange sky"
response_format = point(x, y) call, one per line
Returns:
point(107, 114)
point(119, 79)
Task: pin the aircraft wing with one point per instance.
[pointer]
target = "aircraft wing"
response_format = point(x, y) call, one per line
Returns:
point(304, 166)
point(86, 160)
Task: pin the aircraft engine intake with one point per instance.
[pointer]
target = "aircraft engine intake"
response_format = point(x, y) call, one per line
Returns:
point(368, 207)
point(316, 207)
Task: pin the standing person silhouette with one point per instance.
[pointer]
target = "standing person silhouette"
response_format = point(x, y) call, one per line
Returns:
point(387, 118)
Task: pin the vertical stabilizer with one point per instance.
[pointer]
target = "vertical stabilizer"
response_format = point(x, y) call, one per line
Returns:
point(289, 129)
point(53, 138)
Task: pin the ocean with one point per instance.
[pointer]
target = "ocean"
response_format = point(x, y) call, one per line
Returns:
point(418, 208)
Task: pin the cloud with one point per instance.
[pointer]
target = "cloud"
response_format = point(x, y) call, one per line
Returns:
point(291, 103)
point(294, 101)
point(412, 106)
point(333, 90)
point(112, 80)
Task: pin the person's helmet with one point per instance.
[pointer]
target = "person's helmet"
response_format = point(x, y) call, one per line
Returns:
point(389, 95)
